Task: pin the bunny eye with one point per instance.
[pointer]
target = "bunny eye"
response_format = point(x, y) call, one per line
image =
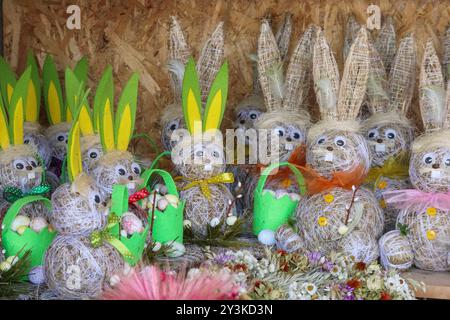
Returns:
point(279, 131)
point(60, 137)
point(429, 158)
point(26, 141)
point(390, 134)
point(173, 125)
point(373, 133)
point(253, 115)
point(93, 153)
point(321, 140)
point(340, 141)
point(33, 162)
point(19, 164)
point(121, 170)
point(447, 160)
point(296, 135)
point(136, 168)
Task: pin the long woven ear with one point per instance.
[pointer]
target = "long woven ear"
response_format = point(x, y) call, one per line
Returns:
point(211, 58)
point(34, 91)
point(377, 85)
point(270, 69)
point(354, 80)
point(179, 54)
point(351, 30)
point(299, 73)
point(52, 93)
point(283, 35)
point(326, 77)
point(386, 43)
point(17, 107)
point(7, 81)
point(402, 78)
point(431, 90)
point(446, 59)
point(448, 105)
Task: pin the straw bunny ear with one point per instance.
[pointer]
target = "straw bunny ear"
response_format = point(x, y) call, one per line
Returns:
point(270, 69)
point(52, 93)
point(351, 30)
point(34, 91)
point(17, 107)
point(4, 133)
point(283, 35)
point(446, 62)
point(211, 58)
point(104, 98)
point(217, 99)
point(385, 43)
point(191, 99)
point(74, 163)
point(402, 78)
point(431, 90)
point(354, 80)
point(326, 77)
point(126, 113)
point(299, 73)
point(377, 85)
point(7, 81)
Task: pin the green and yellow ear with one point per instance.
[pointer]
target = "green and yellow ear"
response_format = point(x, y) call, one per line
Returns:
point(217, 99)
point(85, 119)
point(104, 98)
point(126, 113)
point(81, 70)
point(4, 134)
point(52, 93)
point(191, 99)
point(73, 88)
point(7, 82)
point(74, 163)
point(34, 91)
point(17, 107)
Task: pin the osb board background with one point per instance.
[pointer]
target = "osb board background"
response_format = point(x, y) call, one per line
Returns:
point(132, 36)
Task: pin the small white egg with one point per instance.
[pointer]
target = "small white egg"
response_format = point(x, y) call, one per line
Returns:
point(37, 275)
point(162, 189)
point(176, 250)
point(267, 237)
point(21, 229)
point(20, 221)
point(343, 229)
point(231, 220)
point(131, 223)
point(173, 200)
point(214, 222)
point(114, 280)
point(294, 196)
point(5, 266)
point(156, 246)
point(38, 223)
point(162, 204)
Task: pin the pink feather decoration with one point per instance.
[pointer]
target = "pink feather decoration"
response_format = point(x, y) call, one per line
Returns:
point(151, 283)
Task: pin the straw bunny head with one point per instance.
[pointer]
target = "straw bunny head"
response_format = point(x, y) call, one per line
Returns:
point(60, 111)
point(33, 132)
point(388, 131)
point(78, 206)
point(430, 159)
point(334, 143)
point(116, 165)
point(285, 97)
point(248, 110)
point(200, 154)
point(19, 165)
point(208, 65)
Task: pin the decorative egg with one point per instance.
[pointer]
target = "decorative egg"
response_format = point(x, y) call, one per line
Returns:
point(294, 196)
point(114, 280)
point(267, 237)
point(177, 250)
point(231, 220)
point(162, 204)
point(21, 229)
point(214, 222)
point(150, 199)
point(343, 229)
point(173, 200)
point(156, 247)
point(37, 275)
point(162, 189)
point(20, 221)
point(38, 223)
point(131, 223)
point(5, 266)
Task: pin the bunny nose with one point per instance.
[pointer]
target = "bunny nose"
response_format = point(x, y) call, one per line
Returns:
point(435, 166)
point(379, 140)
point(104, 203)
point(130, 178)
point(29, 168)
point(242, 121)
point(289, 139)
point(330, 148)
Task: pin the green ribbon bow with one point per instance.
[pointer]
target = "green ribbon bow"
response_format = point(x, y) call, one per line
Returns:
point(12, 194)
point(99, 237)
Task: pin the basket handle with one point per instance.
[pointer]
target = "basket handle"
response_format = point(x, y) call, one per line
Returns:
point(15, 208)
point(265, 174)
point(168, 180)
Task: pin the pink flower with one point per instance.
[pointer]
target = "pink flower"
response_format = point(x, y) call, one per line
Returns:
point(151, 283)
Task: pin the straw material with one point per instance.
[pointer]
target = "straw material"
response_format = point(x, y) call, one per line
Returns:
point(385, 43)
point(288, 240)
point(59, 148)
point(283, 35)
point(91, 151)
point(446, 60)
point(377, 85)
point(351, 30)
point(395, 251)
point(432, 91)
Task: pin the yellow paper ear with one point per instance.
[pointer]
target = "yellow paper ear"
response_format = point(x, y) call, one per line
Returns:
point(53, 104)
point(107, 126)
point(10, 90)
point(31, 111)
point(4, 134)
point(74, 163)
point(85, 119)
point(17, 123)
point(124, 131)
point(69, 116)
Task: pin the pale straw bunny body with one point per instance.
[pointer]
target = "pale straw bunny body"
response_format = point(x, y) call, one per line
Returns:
point(338, 217)
point(388, 131)
point(209, 62)
point(425, 210)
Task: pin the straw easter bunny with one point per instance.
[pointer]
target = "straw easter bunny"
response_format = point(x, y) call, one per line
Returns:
point(209, 62)
point(425, 209)
point(337, 215)
point(388, 131)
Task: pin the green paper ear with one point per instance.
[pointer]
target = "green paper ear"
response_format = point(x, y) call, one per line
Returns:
point(103, 105)
point(17, 106)
point(81, 70)
point(52, 93)
point(126, 113)
point(73, 87)
point(217, 99)
point(32, 108)
point(7, 81)
point(191, 100)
